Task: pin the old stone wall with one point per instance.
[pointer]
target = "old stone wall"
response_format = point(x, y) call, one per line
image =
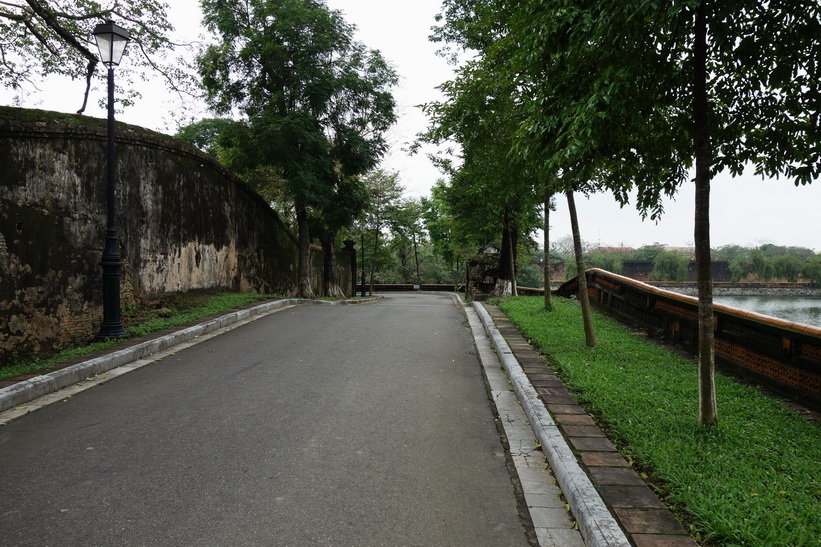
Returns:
point(184, 223)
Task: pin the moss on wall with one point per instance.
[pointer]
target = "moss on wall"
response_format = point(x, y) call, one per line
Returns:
point(184, 223)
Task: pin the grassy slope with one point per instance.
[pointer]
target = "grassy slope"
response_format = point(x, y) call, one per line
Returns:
point(753, 480)
point(174, 310)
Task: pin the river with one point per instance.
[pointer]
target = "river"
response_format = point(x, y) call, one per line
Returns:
point(799, 309)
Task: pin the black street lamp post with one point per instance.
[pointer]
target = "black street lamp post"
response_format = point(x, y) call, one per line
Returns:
point(111, 41)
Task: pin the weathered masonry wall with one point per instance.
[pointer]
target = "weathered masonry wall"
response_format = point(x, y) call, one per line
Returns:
point(773, 351)
point(184, 223)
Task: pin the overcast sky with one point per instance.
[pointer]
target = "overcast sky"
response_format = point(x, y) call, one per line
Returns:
point(745, 211)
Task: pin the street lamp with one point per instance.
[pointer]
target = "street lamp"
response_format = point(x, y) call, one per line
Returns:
point(111, 41)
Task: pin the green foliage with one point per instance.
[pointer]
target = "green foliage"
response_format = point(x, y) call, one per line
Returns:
point(739, 267)
point(316, 103)
point(449, 242)
point(611, 262)
point(647, 252)
point(787, 267)
point(811, 271)
point(529, 267)
point(214, 136)
point(729, 252)
point(761, 265)
point(54, 37)
point(670, 266)
point(750, 481)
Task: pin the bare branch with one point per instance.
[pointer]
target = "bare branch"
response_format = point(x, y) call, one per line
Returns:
point(89, 73)
point(40, 38)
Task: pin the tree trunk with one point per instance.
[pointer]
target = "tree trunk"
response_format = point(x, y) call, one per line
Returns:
point(548, 300)
point(373, 256)
point(707, 404)
point(513, 233)
point(584, 298)
point(504, 282)
point(330, 282)
point(304, 289)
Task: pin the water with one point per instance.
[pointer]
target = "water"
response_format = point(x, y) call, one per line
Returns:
point(799, 309)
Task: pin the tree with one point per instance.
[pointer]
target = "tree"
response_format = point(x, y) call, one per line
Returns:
point(350, 200)
point(787, 267)
point(584, 298)
point(443, 230)
point(407, 234)
point(611, 262)
point(811, 271)
point(212, 136)
point(317, 103)
point(720, 84)
point(385, 191)
point(40, 38)
point(761, 265)
point(548, 204)
point(670, 266)
point(492, 189)
point(739, 267)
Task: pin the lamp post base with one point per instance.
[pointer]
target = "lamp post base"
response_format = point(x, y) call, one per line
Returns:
point(112, 326)
point(111, 331)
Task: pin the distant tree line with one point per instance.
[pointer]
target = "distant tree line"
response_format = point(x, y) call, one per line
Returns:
point(764, 263)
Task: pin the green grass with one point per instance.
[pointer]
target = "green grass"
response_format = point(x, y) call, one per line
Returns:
point(751, 480)
point(174, 310)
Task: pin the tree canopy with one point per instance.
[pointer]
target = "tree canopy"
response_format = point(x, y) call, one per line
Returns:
point(633, 94)
point(316, 102)
point(39, 38)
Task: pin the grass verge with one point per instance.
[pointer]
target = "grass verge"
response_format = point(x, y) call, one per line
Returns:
point(171, 311)
point(751, 480)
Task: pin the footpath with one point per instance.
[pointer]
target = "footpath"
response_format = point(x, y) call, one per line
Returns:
point(609, 504)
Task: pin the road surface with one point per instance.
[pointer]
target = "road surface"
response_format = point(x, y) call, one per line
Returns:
point(315, 425)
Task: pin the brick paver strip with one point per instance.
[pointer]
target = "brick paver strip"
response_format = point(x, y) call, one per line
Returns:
point(622, 476)
point(556, 397)
point(659, 540)
point(596, 522)
point(565, 409)
point(574, 419)
point(583, 431)
point(603, 459)
point(592, 444)
point(542, 377)
point(631, 497)
point(649, 521)
point(638, 509)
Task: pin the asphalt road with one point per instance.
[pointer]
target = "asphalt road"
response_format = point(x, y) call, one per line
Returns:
point(316, 425)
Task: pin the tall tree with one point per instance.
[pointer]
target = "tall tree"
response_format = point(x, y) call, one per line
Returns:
point(443, 229)
point(490, 185)
point(39, 38)
point(385, 192)
point(317, 102)
point(655, 88)
point(350, 200)
point(548, 203)
point(584, 297)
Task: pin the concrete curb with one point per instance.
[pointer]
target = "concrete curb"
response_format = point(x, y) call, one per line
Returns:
point(22, 392)
point(598, 527)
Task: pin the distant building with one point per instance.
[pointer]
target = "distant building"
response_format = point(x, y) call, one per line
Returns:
point(613, 250)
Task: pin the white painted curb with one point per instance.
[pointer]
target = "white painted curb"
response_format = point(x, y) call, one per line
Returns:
point(596, 524)
point(22, 392)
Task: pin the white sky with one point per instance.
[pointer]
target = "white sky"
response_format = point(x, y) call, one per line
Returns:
point(745, 211)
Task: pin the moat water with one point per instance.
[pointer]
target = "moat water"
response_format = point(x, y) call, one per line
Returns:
point(799, 309)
